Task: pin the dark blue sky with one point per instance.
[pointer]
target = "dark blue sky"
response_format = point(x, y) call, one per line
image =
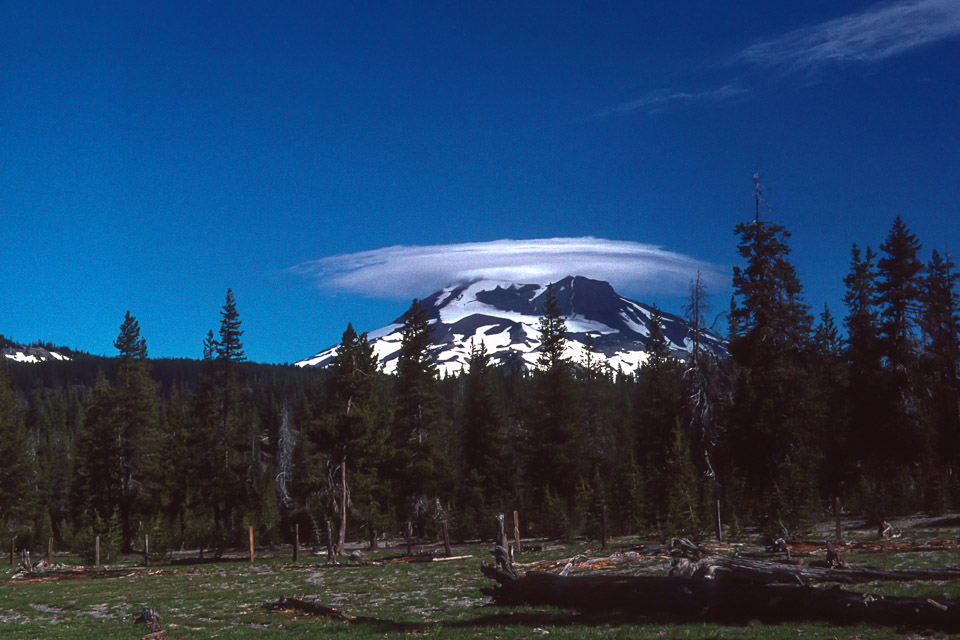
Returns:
point(154, 154)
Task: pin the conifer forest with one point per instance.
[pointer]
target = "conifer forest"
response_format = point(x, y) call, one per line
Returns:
point(856, 407)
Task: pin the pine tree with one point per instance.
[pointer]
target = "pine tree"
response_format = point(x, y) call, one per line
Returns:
point(17, 481)
point(117, 434)
point(898, 294)
point(940, 323)
point(684, 514)
point(553, 458)
point(485, 487)
point(658, 346)
point(225, 452)
point(416, 414)
point(903, 435)
point(770, 419)
point(135, 398)
point(351, 434)
point(553, 334)
point(657, 411)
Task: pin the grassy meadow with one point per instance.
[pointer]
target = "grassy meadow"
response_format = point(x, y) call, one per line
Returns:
point(424, 599)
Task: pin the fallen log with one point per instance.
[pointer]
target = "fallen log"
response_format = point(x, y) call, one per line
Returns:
point(74, 574)
point(798, 547)
point(691, 560)
point(696, 599)
point(315, 608)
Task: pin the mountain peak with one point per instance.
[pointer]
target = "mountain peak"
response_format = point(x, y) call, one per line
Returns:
point(505, 317)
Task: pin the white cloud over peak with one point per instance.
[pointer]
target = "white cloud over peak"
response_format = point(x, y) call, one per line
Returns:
point(403, 272)
point(879, 32)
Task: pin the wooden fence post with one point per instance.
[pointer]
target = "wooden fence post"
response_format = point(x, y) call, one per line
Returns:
point(96, 552)
point(603, 527)
point(516, 531)
point(446, 540)
point(251, 544)
point(716, 518)
point(296, 542)
point(836, 512)
point(146, 550)
point(50, 551)
point(409, 537)
point(330, 558)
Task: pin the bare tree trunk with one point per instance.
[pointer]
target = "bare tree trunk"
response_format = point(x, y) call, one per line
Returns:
point(341, 539)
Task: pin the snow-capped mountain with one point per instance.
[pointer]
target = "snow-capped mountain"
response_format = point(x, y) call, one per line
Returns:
point(505, 317)
point(20, 353)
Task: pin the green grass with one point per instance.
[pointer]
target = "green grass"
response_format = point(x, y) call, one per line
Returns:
point(431, 600)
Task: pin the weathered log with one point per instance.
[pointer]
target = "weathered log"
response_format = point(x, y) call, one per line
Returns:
point(800, 547)
point(315, 608)
point(690, 560)
point(685, 598)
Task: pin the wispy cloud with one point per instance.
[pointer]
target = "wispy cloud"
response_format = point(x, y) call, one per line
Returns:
point(661, 99)
point(879, 32)
point(403, 272)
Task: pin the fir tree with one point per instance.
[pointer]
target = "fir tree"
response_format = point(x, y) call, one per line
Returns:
point(225, 452)
point(553, 458)
point(118, 432)
point(903, 435)
point(939, 365)
point(351, 434)
point(135, 398)
point(553, 334)
point(898, 294)
point(17, 481)
point(416, 415)
point(657, 411)
point(484, 453)
point(770, 420)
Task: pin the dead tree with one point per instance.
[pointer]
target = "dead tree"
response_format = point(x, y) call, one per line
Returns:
point(679, 598)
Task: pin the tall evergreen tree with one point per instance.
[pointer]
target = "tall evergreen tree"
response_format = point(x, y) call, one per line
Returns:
point(484, 453)
point(657, 411)
point(351, 430)
point(903, 435)
point(118, 433)
point(553, 334)
point(17, 472)
point(416, 415)
point(770, 417)
point(898, 294)
point(940, 324)
point(553, 457)
point(861, 451)
point(225, 450)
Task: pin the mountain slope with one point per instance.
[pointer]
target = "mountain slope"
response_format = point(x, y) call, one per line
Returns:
point(31, 353)
point(505, 317)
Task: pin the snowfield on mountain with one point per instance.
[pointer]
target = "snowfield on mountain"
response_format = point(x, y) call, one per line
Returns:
point(505, 317)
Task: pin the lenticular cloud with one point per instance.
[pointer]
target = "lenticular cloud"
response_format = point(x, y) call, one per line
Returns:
point(409, 271)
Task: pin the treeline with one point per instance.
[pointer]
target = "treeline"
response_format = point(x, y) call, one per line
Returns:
point(803, 415)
